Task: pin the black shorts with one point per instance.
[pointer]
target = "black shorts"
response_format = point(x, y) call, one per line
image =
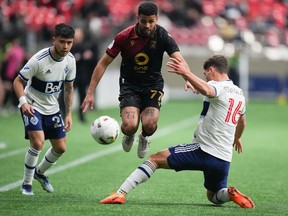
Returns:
point(141, 97)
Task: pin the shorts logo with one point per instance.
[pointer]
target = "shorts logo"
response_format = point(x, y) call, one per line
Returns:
point(34, 120)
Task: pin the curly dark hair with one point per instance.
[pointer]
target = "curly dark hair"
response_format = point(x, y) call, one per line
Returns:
point(64, 30)
point(217, 61)
point(147, 9)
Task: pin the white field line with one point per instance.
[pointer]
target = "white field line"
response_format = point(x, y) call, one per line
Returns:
point(14, 152)
point(17, 151)
point(160, 133)
point(3, 145)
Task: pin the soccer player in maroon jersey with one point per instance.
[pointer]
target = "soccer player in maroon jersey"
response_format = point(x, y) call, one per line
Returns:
point(142, 47)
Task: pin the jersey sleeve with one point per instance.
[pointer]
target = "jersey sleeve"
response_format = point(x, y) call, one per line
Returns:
point(216, 86)
point(114, 47)
point(71, 75)
point(29, 69)
point(170, 43)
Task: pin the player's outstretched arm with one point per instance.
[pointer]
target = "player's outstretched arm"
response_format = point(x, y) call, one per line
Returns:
point(188, 85)
point(180, 67)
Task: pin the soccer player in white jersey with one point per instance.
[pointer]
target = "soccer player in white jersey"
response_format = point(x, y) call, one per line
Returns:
point(44, 74)
point(220, 127)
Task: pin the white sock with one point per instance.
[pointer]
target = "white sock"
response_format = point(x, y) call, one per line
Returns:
point(31, 159)
point(221, 196)
point(140, 175)
point(48, 161)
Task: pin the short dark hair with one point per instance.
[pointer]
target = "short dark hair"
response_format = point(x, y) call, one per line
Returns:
point(217, 61)
point(64, 30)
point(147, 9)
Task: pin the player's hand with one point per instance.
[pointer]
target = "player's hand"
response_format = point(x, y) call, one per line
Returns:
point(178, 66)
point(28, 110)
point(68, 123)
point(188, 85)
point(88, 102)
point(238, 145)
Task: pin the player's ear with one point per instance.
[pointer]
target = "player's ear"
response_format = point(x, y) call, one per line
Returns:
point(53, 40)
point(211, 69)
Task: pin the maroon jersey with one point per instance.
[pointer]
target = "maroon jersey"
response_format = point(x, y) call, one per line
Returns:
point(142, 57)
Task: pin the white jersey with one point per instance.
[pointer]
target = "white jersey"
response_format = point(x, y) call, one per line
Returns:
point(45, 76)
point(217, 125)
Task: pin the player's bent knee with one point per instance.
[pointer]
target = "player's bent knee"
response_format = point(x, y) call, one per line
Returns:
point(60, 150)
point(159, 160)
point(129, 129)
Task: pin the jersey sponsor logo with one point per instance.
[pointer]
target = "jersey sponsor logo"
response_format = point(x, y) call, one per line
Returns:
point(52, 87)
point(141, 59)
point(46, 87)
point(48, 71)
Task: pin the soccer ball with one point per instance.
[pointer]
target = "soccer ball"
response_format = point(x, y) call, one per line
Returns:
point(105, 130)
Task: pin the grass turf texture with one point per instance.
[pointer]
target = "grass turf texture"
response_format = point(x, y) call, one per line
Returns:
point(89, 172)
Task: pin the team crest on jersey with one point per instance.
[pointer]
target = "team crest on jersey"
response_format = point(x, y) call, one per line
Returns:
point(132, 42)
point(152, 44)
point(34, 120)
point(66, 69)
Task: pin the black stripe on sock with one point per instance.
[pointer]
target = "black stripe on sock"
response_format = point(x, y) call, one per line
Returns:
point(141, 168)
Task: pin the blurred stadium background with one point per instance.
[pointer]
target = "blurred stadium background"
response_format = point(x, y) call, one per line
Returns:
point(253, 34)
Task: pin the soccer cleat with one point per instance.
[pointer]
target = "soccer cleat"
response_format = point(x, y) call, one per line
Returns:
point(143, 146)
point(26, 190)
point(239, 198)
point(127, 142)
point(114, 199)
point(44, 182)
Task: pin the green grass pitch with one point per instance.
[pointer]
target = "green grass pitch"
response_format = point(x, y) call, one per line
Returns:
point(89, 171)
